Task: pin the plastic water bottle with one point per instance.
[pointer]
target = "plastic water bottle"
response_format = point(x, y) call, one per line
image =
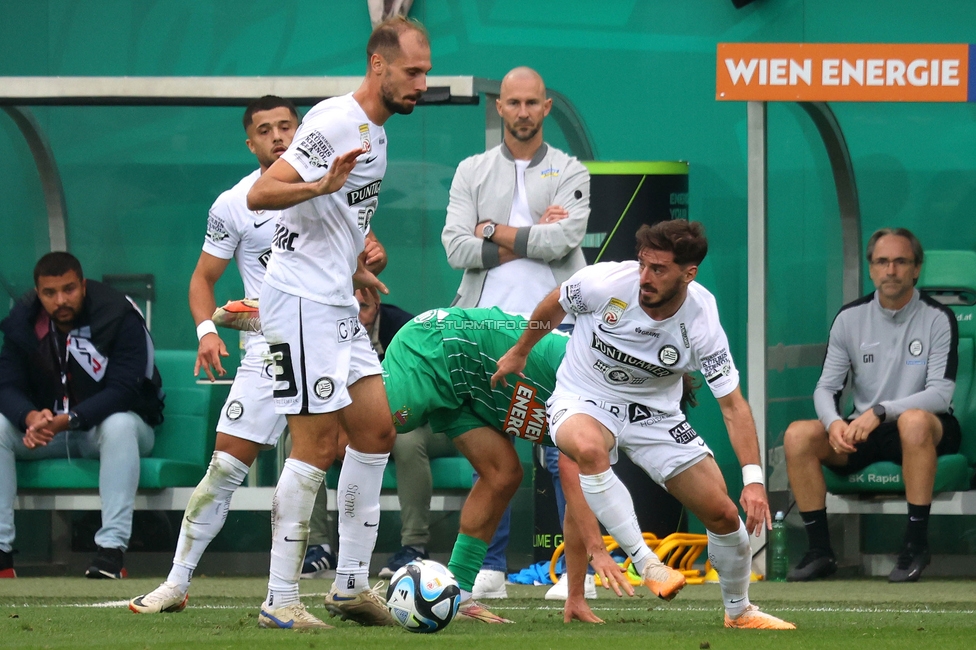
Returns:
point(779, 562)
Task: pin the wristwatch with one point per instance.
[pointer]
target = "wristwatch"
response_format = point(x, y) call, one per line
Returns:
point(488, 231)
point(879, 411)
point(74, 422)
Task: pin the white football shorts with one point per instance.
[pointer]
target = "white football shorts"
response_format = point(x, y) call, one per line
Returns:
point(662, 444)
point(249, 412)
point(318, 352)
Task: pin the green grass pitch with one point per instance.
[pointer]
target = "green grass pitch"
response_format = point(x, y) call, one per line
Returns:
point(79, 613)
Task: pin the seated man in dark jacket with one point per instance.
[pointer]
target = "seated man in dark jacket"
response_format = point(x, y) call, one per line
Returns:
point(77, 380)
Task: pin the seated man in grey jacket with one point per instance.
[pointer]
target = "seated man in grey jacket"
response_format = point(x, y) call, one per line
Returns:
point(899, 348)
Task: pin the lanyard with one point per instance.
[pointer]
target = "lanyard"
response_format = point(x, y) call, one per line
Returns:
point(63, 363)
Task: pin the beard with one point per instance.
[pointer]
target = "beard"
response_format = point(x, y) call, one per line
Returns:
point(664, 297)
point(394, 106)
point(523, 136)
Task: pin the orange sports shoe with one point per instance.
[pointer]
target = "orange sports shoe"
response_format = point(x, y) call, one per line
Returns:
point(663, 581)
point(753, 619)
point(239, 315)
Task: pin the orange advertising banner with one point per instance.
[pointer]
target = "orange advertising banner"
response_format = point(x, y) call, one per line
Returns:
point(843, 72)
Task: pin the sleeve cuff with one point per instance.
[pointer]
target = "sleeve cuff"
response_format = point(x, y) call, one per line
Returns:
point(522, 241)
point(489, 255)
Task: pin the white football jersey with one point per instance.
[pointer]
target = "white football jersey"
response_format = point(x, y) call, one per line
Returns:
point(316, 243)
point(620, 354)
point(235, 232)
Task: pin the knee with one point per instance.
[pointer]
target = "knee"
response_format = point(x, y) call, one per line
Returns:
point(591, 455)
point(802, 437)
point(504, 479)
point(916, 429)
point(723, 519)
point(121, 430)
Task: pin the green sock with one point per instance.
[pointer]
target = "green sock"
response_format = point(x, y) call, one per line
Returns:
point(466, 559)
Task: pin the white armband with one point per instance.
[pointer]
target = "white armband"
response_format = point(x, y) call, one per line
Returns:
point(206, 327)
point(752, 474)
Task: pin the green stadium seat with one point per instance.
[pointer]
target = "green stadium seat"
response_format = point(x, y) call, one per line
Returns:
point(453, 473)
point(950, 278)
point(184, 441)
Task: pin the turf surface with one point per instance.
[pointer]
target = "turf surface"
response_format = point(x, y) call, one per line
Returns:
point(79, 613)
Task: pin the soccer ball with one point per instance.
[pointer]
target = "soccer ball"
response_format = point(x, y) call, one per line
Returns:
point(423, 596)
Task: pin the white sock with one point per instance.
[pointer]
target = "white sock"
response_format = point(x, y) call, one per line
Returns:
point(291, 508)
point(731, 556)
point(205, 514)
point(610, 501)
point(465, 596)
point(358, 496)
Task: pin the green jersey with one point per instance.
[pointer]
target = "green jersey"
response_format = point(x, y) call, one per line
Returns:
point(438, 369)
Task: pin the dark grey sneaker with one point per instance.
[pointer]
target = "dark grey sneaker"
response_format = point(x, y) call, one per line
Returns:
point(910, 563)
point(815, 564)
point(107, 564)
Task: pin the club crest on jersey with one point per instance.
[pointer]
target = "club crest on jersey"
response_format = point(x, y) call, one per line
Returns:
point(526, 417)
point(364, 143)
point(915, 348)
point(668, 355)
point(324, 387)
point(401, 415)
point(613, 312)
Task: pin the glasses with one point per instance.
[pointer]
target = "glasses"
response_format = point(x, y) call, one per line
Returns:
point(899, 262)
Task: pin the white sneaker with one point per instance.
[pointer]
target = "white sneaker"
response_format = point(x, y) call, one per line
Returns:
point(560, 590)
point(167, 597)
point(290, 617)
point(489, 584)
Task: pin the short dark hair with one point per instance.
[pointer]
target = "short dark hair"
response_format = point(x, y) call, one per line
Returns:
point(55, 264)
point(685, 239)
point(385, 39)
point(898, 232)
point(267, 103)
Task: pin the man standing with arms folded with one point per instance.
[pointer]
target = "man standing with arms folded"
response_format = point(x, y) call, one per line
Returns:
point(640, 326)
point(899, 348)
point(327, 375)
point(515, 222)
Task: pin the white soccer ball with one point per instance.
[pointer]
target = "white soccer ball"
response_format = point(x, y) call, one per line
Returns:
point(423, 596)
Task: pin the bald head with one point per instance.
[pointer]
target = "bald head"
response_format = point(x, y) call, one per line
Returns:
point(523, 78)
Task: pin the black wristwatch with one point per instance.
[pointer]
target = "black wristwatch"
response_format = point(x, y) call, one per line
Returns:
point(74, 422)
point(488, 231)
point(879, 411)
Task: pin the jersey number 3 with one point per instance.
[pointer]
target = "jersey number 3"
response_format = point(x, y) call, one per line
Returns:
point(284, 372)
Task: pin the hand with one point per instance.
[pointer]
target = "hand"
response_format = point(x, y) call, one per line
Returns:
point(43, 426)
point(576, 609)
point(860, 428)
point(374, 256)
point(611, 576)
point(338, 173)
point(756, 507)
point(209, 351)
point(837, 438)
point(364, 279)
point(553, 214)
point(511, 363)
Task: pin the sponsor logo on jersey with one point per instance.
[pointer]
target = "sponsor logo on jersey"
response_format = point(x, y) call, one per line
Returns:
point(616, 375)
point(613, 312)
point(347, 329)
point(574, 296)
point(549, 172)
point(258, 224)
point(715, 366)
point(364, 193)
point(235, 410)
point(915, 347)
point(526, 416)
point(683, 433)
point(216, 228)
point(644, 416)
point(283, 239)
point(558, 416)
point(364, 138)
point(668, 355)
point(868, 358)
point(684, 336)
point(264, 258)
point(620, 356)
point(324, 387)
point(316, 149)
point(646, 332)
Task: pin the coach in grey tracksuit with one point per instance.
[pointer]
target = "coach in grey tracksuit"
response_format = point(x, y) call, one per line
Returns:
point(899, 349)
